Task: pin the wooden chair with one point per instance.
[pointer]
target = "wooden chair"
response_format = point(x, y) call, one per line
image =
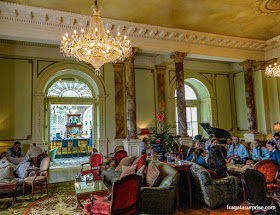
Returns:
point(37, 161)
point(95, 162)
point(269, 168)
point(254, 183)
point(119, 155)
point(124, 200)
point(40, 176)
point(75, 143)
point(183, 151)
point(111, 156)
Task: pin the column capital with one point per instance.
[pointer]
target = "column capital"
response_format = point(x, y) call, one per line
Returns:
point(133, 51)
point(260, 65)
point(118, 67)
point(178, 56)
point(247, 64)
point(160, 69)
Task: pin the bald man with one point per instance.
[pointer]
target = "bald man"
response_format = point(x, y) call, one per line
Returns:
point(33, 151)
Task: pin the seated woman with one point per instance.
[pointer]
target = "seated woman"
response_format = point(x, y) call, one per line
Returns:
point(228, 143)
point(275, 154)
point(198, 157)
point(216, 162)
point(190, 153)
point(197, 144)
point(259, 152)
point(237, 152)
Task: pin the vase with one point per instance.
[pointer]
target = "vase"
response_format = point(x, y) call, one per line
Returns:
point(158, 148)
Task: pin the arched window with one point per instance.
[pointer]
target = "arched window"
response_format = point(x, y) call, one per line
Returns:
point(69, 87)
point(191, 111)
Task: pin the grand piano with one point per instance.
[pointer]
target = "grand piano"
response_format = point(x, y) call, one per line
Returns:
point(219, 133)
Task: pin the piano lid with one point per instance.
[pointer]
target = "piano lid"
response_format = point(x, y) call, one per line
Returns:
point(218, 132)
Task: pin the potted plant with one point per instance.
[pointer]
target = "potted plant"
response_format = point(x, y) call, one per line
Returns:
point(162, 141)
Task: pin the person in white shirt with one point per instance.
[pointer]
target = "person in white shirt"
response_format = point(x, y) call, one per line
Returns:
point(208, 143)
point(33, 151)
point(276, 139)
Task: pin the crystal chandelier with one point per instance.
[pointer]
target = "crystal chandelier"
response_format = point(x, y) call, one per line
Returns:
point(96, 46)
point(273, 71)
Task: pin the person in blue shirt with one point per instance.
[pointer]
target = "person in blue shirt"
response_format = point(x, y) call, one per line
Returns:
point(190, 153)
point(198, 157)
point(259, 152)
point(237, 152)
point(214, 142)
point(275, 154)
point(276, 139)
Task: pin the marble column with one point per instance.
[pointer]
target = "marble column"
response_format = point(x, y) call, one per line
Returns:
point(39, 121)
point(180, 87)
point(250, 96)
point(161, 86)
point(130, 96)
point(119, 100)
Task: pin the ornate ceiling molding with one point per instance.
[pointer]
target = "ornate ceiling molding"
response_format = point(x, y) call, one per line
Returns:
point(267, 7)
point(69, 21)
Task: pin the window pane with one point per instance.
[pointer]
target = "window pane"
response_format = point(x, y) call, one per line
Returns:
point(188, 111)
point(189, 93)
point(194, 113)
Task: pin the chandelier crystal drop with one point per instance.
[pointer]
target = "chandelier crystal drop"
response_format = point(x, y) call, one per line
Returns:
point(273, 70)
point(97, 46)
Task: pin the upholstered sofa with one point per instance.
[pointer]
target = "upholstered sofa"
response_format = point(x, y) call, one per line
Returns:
point(153, 200)
point(213, 192)
point(10, 178)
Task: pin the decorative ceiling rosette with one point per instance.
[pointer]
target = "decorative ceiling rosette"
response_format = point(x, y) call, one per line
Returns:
point(267, 7)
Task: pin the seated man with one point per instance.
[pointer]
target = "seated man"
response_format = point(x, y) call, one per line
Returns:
point(259, 152)
point(33, 151)
point(276, 139)
point(15, 151)
point(237, 152)
point(214, 142)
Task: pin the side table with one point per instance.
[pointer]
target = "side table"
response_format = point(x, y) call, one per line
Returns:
point(185, 167)
point(11, 185)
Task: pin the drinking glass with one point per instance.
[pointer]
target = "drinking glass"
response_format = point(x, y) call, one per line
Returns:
point(173, 157)
point(168, 157)
point(89, 179)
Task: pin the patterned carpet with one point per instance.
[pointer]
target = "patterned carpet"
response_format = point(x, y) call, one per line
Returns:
point(62, 201)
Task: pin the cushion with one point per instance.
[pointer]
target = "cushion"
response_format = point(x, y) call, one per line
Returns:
point(98, 207)
point(141, 162)
point(5, 162)
point(38, 178)
point(153, 175)
point(213, 174)
point(6, 173)
point(126, 161)
point(141, 173)
point(128, 170)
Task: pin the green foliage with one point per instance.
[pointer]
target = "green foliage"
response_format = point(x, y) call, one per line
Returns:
point(164, 137)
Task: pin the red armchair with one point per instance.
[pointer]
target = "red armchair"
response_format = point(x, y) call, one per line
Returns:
point(125, 193)
point(269, 168)
point(95, 162)
point(118, 157)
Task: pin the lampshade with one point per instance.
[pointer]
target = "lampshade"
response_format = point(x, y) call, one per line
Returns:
point(145, 131)
point(277, 126)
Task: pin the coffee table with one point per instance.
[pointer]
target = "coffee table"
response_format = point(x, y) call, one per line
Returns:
point(86, 191)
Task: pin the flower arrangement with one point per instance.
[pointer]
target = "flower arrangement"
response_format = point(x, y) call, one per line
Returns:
point(161, 135)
